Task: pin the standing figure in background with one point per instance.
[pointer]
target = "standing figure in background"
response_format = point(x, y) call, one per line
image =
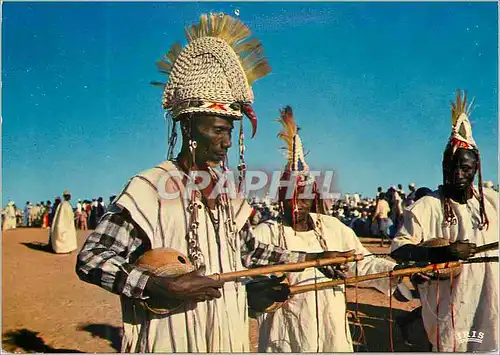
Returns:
point(83, 220)
point(93, 214)
point(411, 195)
point(57, 202)
point(88, 209)
point(46, 214)
point(63, 232)
point(381, 219)
point(78, 212)
point(396, 212)
point(10, 220)
point(99, 210)
point(111, 199)
point(27, 214)
point(401, 192)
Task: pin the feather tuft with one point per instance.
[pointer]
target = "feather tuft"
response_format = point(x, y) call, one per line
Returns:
point(460, 106)
point(235, 33)
point(289, 128)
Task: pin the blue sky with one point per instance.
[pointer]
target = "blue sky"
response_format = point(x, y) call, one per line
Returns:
point(370, 84)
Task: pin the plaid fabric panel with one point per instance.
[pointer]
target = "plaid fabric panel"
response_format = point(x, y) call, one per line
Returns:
point(108, 254)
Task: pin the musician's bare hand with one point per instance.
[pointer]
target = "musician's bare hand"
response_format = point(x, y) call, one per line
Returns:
point(188, 287)
point(335, 271)
point(263, 291)
point(462, 249)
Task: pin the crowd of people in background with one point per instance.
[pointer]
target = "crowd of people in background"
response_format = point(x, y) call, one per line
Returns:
point(87, 213)
point(380, 216)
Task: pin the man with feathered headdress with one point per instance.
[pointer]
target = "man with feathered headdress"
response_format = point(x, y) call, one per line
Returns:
point(313, 321)
point(459, 313)
point(208, 88)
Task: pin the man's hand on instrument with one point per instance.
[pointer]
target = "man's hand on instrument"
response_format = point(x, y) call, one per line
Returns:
point(188, 287)
point(264, 291)
point(462, 249)
point(459, 250)
point(336, 271)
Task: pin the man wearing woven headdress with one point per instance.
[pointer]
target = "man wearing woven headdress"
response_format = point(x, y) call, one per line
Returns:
point(312, 321)
point(207, 90)
point(459, 313)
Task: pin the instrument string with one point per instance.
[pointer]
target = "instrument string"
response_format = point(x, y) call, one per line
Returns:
point(452, 312)
point(437, 310)
point(390, 313)
point(356, 313)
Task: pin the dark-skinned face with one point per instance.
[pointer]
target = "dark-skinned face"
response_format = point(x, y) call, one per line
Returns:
point(213, 138)
point(462, 169)
point(304, 206)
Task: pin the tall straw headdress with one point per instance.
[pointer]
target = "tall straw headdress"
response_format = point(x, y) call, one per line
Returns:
point(296, 168)
point(214, 72)
point(296, 162)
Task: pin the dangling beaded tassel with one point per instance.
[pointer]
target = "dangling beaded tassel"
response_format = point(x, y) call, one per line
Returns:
point(294, 210)
point(319, 225)
point(172, 141)
point(449, 216)
point(294, 154)
point(241, 166)
point(194, 251)
point(484, 218)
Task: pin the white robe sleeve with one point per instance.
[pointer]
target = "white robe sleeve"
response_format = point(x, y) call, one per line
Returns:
point(410, 232)
point(369, 265)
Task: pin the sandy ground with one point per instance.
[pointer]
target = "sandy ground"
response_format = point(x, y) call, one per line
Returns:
point(46, 308)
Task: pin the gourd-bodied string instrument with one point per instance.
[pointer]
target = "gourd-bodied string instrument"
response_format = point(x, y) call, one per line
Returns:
point(435, 271)
point(298, 289)
point(445, 274)
point(168, 262)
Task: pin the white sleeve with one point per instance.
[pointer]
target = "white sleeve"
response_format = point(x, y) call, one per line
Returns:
point(369, 265)
point(410, 232)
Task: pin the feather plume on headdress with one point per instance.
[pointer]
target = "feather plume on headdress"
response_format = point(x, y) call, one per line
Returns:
point(235, 33)
point(289, 134)
point(297, 168)
point(289, 129)
point(461, 131)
